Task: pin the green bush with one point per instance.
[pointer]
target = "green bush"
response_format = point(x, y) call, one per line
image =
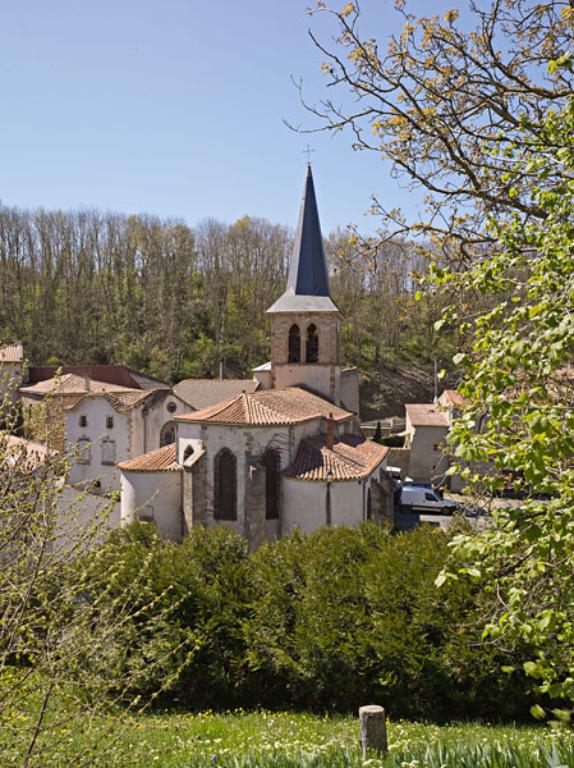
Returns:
point(329, 620)
point(205, 583)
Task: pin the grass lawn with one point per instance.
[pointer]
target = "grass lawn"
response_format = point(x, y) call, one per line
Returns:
point(286, 740)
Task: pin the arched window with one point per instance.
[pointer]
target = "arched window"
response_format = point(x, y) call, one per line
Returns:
point(294, 344)
point(312, 345)
point(188, 452)
point(225, 485)
point(167, 434)
point(272, 462)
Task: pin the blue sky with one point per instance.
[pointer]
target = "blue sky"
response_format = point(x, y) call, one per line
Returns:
point(176, 108)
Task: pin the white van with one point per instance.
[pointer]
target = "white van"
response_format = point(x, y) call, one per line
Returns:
point(419, 498)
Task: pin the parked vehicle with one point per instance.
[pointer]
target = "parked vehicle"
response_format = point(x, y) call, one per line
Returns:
point(396, 474)
point(420, 498)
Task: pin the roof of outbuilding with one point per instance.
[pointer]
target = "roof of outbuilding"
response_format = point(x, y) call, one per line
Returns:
point(161, 460)
point(201, 393)
point(454, 397)
point(270, 407)
point(12, 353)
point(19, 449)
point(351, 458)
point(426, 415)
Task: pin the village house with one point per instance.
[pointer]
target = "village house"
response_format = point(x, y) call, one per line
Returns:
point(426, 430)
point(288, 453)
point(99, 422)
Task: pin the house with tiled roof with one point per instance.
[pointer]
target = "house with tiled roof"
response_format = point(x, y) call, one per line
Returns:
point(426, 428)
point(99, 423)
point(283, 452)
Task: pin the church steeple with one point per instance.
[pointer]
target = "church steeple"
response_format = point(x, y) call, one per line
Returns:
point(305, 320)
point(307, 266)
point(308, 280)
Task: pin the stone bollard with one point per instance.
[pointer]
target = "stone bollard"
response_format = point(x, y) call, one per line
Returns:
point(373, 730)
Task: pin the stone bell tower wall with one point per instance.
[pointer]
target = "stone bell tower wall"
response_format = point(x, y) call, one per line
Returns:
point(327, 326)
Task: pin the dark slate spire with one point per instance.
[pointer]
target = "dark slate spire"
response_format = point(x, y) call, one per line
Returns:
point(307, 266)
point(308, 281)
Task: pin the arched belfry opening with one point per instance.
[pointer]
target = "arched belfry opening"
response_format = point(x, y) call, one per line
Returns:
point(225, 485)
point(272, 463)
point(312, 352)
point(294, 344)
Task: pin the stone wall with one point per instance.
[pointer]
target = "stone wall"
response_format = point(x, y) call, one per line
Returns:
point(327, 326)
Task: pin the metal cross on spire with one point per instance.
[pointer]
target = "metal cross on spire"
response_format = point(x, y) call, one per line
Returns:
point(307, 151)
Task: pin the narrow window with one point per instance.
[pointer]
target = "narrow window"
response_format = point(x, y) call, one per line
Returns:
point(312, 345)
point(108, 451)
point(294, 344)
point(369, 505)
point(84, 450)
point(225, 485)
point(145, 515)
point(109, 422)
point(188, 452)
point(272, 463)
point(83, 421)
point(167, 434)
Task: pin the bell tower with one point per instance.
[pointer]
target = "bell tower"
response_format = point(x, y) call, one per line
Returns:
point(305, 320)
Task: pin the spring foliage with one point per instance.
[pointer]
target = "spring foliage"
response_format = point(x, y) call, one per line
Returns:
point(518, 428)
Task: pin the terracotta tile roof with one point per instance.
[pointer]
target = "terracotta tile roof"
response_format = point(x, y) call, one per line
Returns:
point(455, 398)
point(161, 460)
point(351, 458)
point(201, 393)
point(71, 383)
point(33, 454)
point(267, 408)
point(120, 401)
point(426, 415)
point(12, 353)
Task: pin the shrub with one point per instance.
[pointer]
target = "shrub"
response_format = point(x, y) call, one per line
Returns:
point(328, 620)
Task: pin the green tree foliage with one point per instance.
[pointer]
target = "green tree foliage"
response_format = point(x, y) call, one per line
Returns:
point(204, 585)
point(63, 642)
point(476, 111)
point(175, 302)
point(519, 423)
point(324, 621)
point(433, 97)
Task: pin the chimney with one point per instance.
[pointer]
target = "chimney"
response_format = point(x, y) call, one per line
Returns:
point(330, 431)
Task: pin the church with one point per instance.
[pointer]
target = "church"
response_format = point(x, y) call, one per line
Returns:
point(287, 455)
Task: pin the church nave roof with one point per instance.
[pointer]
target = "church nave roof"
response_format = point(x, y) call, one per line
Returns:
point(268, 408)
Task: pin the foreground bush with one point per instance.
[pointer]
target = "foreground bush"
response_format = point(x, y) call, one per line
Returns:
point(324, 621)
